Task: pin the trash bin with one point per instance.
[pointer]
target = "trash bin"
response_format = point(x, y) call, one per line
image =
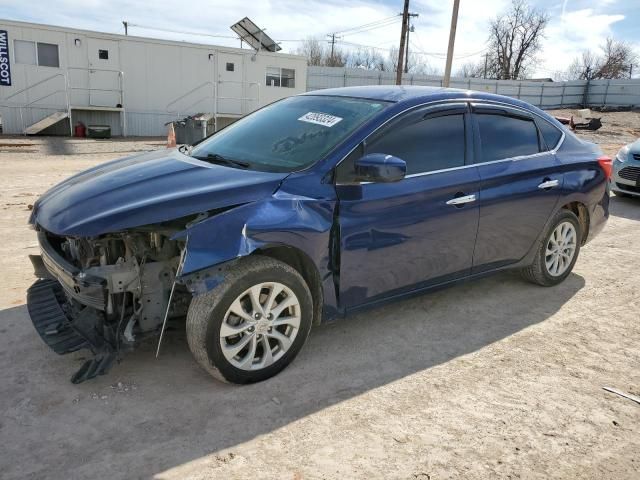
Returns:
point(99, 131)
point(189, 130)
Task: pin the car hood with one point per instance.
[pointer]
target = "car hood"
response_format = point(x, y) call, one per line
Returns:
point(635, 147)
point(145, 189)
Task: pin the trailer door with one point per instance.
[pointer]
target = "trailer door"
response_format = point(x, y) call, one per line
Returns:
point(230, 88)
point(104, 73)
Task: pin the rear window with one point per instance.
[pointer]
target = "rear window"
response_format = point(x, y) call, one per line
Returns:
point(504, 136)
point(550, 134)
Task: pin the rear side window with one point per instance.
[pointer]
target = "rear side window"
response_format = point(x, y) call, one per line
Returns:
point(550, 134)
point(434, 143)
point(504, 136)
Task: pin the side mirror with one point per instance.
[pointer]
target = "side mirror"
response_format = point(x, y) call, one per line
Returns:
point(379, 167)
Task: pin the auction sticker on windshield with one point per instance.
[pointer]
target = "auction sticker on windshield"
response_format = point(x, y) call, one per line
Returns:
point(320, 119)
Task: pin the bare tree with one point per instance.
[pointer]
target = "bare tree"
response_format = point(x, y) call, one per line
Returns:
point(514, 40)
point(583, 67)
point(366, 58)
point(338, 59)
point(470, 70)
point(615, 62)
point(391, 63)
point(314, 50)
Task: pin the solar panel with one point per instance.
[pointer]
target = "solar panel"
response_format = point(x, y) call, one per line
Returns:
point(254, 35)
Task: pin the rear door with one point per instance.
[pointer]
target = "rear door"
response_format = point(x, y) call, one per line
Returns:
point(520, 184)
point(395, 237)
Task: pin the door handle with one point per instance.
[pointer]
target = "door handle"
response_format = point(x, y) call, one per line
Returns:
point(547, 184)
point(462, 200)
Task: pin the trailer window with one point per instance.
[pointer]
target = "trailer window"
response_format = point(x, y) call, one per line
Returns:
point(36, 53)
point(273, 77)
point(281, 77)
point(103, 54)
point(25, 52)
point(48, 55)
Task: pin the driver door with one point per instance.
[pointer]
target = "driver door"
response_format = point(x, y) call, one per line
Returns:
point(417, 232)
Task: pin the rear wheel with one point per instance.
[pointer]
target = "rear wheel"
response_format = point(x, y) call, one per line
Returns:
point(252, 325)
point(558, 251)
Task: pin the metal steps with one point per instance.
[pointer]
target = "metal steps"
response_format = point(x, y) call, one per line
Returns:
point(45, 122)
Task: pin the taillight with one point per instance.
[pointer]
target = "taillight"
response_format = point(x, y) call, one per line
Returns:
point(606, 165)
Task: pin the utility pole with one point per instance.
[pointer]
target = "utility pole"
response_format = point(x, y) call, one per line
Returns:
point(409, 30)
point(403, 38)
point(486, 58)
point(631, 70)
point(332, 42)
point(126, 27)
point(452, 39)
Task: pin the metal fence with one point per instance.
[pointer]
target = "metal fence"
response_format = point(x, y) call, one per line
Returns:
point(613, 93)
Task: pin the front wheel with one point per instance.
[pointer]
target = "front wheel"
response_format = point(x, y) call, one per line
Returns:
point(252, 325)
point(558, 251)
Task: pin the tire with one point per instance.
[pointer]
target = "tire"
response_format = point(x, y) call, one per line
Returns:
point(539, 271)
point(229, 308)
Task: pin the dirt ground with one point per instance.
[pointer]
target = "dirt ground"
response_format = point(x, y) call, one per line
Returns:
point(495, 378)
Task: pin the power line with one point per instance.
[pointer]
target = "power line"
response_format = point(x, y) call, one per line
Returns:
point(392, 21)
point(394, 17)
point(438, 55)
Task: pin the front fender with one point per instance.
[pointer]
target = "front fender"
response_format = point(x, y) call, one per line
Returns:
point(281, 220)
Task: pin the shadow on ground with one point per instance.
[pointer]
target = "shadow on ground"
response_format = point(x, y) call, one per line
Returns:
point(625, 207)
point(176, 413)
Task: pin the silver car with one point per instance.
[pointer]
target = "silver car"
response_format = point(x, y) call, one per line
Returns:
point(626, 170)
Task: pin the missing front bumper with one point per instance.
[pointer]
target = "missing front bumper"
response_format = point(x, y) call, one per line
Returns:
point(48, 308)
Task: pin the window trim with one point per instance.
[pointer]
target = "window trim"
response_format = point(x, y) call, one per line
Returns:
point(444, 102)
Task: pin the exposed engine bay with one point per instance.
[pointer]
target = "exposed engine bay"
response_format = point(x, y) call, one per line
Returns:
point(112, 291)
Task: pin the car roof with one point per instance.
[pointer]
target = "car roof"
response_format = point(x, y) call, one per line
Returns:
point(414, 94)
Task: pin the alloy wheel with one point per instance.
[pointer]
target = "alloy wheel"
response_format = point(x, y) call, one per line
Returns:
point(561, 248)
point(260, 326)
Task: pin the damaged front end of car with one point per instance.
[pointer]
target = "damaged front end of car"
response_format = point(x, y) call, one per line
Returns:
point(105, 293)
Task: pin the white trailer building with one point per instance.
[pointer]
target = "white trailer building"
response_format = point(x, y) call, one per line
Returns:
point(52, 77)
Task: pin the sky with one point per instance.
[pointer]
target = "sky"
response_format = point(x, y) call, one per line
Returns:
point(574, 25)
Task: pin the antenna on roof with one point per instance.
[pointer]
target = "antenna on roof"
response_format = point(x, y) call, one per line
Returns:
point(255, 36)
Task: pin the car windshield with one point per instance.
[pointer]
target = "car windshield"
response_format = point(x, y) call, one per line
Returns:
point(288, 135)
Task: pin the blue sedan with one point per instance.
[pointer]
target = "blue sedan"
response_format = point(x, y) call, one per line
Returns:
point(309, 209)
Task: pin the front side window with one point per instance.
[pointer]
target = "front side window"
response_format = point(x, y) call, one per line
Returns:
point(281, 77)
point(504, 136)
point(434, 143)
point(291, 134)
